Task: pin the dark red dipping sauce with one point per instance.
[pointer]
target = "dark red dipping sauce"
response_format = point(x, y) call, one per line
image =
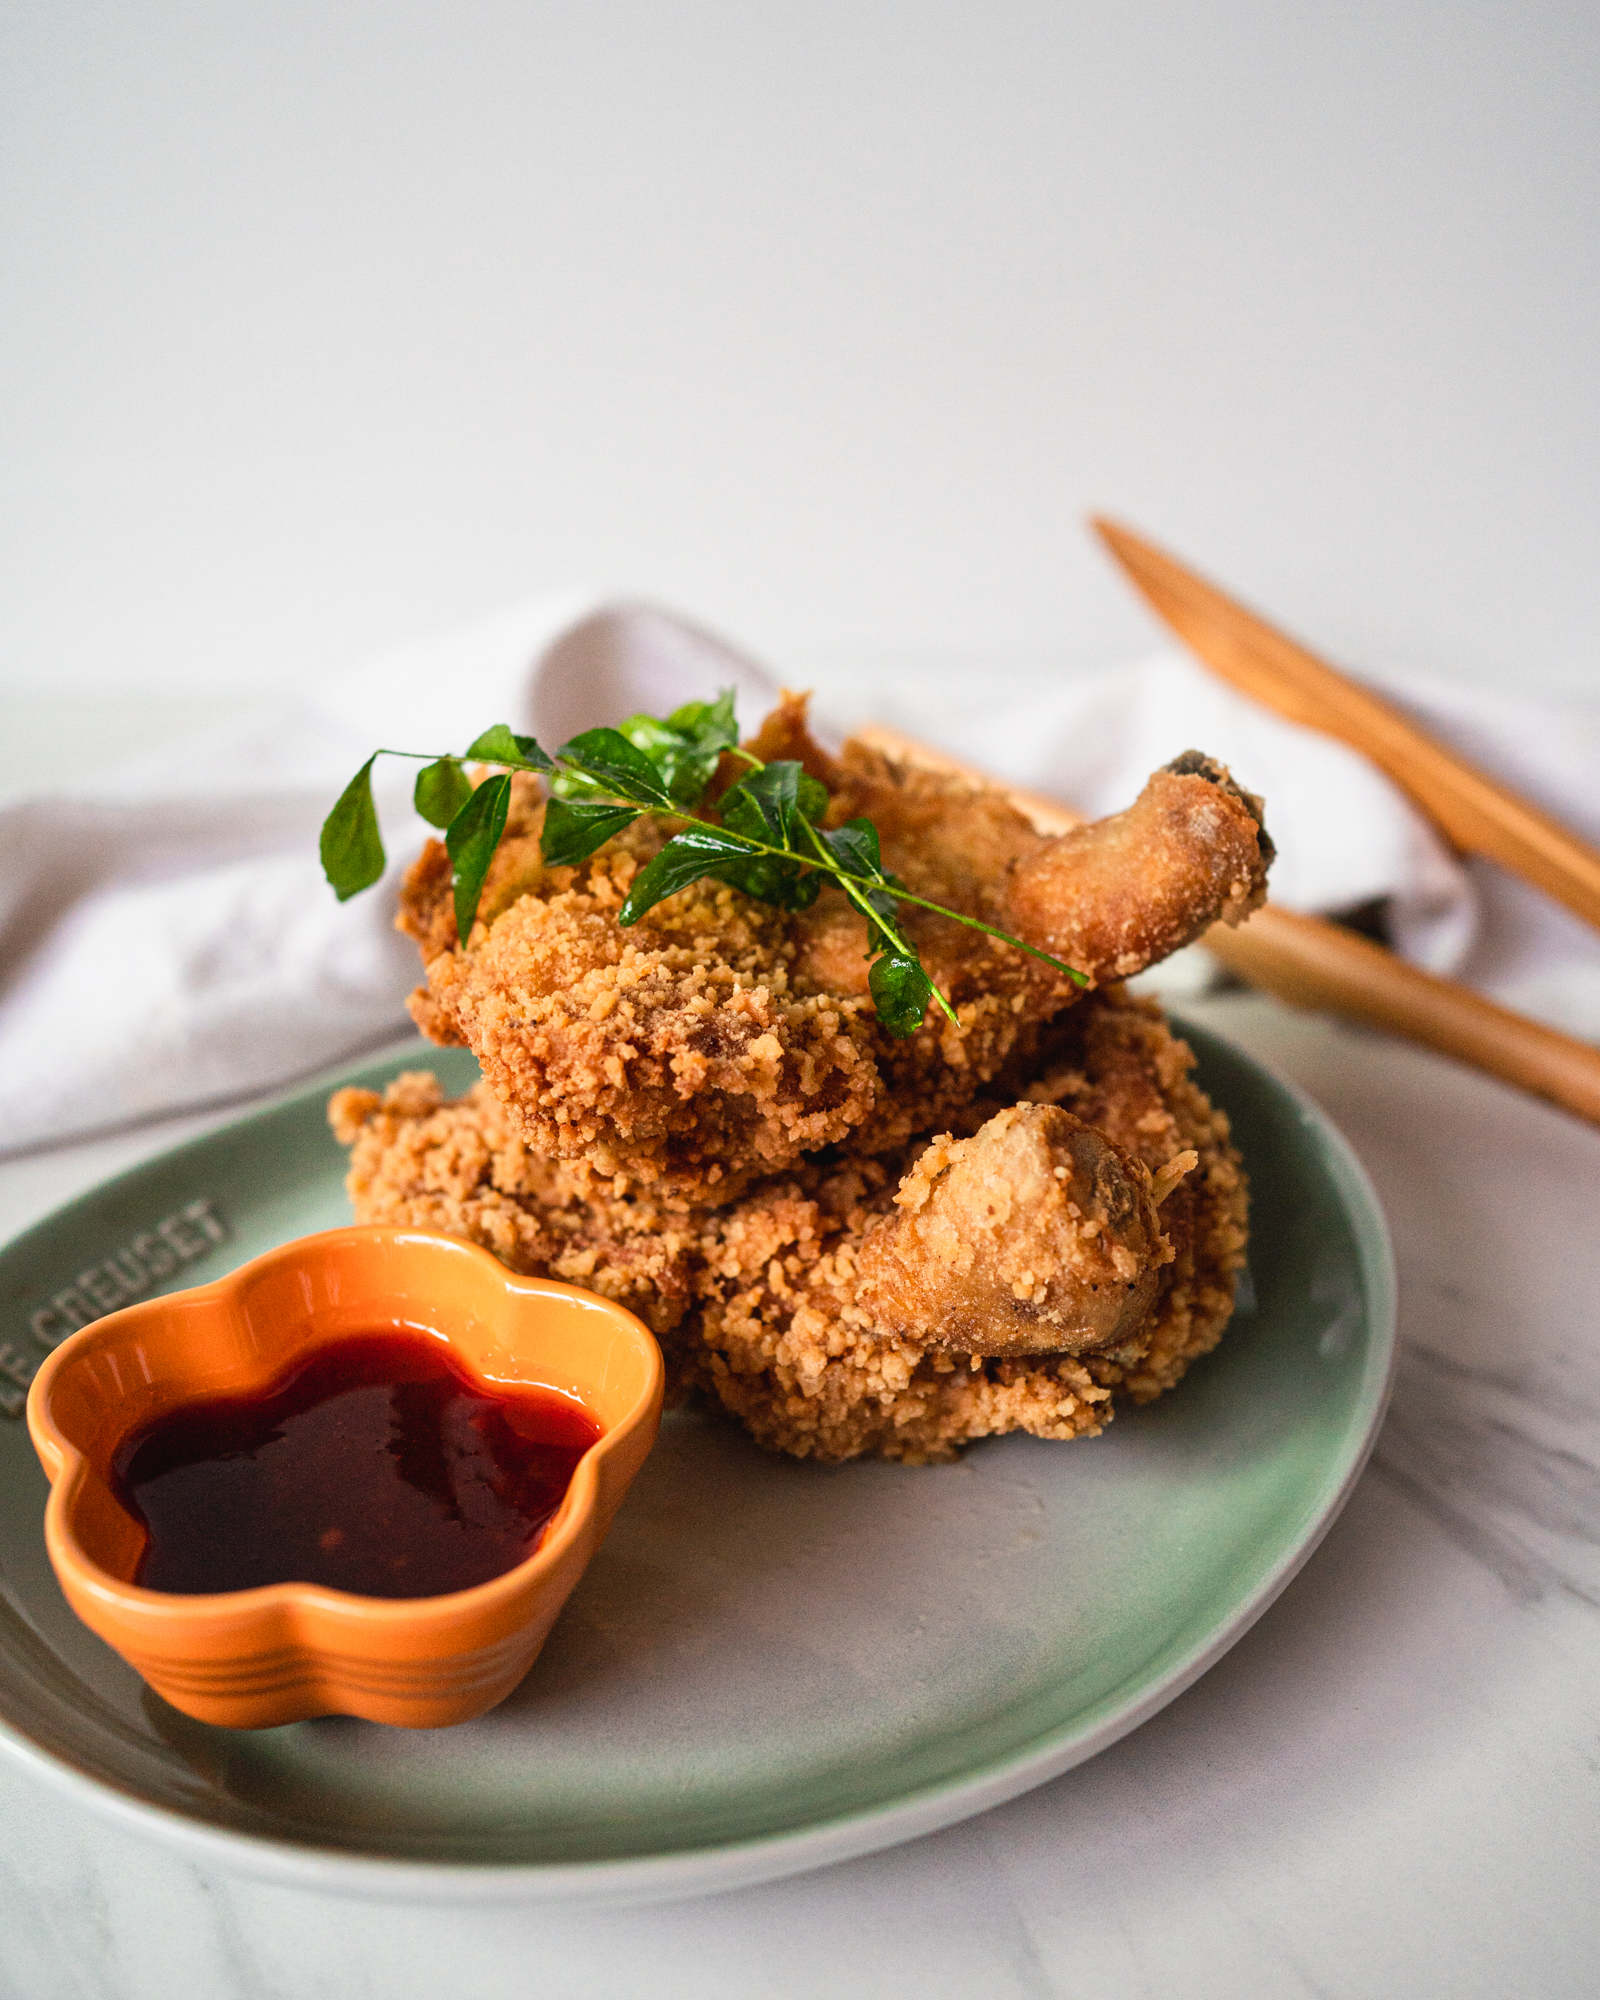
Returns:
point(380, 1467)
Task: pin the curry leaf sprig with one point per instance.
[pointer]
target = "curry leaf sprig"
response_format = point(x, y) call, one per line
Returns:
point(767, 838)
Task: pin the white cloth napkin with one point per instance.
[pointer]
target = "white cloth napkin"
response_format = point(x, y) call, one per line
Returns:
point(169, 941)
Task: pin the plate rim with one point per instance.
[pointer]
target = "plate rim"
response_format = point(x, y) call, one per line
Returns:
point(722, 1867)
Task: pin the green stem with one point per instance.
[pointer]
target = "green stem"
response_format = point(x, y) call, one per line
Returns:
point(1005, 937)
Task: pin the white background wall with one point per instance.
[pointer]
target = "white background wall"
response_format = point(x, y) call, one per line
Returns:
point(324, 323)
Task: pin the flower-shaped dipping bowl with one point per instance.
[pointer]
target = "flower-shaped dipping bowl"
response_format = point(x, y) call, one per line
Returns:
point(280, 1653)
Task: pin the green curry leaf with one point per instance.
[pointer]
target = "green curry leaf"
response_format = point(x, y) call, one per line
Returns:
point(351, 846)
point(470, 840)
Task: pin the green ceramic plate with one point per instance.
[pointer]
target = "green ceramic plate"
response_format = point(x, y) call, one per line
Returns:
point(770, 1665)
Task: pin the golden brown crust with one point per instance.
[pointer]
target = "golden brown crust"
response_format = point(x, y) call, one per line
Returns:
point(678, 1050)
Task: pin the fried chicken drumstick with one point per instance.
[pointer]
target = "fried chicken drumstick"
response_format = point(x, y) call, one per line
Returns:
point(720, 1040)
point(853, 1243)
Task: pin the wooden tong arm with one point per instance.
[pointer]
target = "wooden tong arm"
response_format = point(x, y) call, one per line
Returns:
point(1477, 812)
point(1314, 964)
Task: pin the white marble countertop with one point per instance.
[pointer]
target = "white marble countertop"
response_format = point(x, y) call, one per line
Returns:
point(1390, 1785)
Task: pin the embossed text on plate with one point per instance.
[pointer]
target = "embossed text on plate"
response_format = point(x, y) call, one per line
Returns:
point(116, 1280)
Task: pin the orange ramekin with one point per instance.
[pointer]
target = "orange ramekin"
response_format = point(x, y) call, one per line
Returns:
point(252, 1658)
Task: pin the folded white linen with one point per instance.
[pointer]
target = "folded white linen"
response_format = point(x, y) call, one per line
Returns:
point(169, 941)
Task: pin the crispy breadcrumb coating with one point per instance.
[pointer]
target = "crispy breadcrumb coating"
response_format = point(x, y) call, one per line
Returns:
point(775, 1303)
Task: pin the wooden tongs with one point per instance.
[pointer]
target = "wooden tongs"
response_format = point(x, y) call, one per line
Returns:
point(1315, 964)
